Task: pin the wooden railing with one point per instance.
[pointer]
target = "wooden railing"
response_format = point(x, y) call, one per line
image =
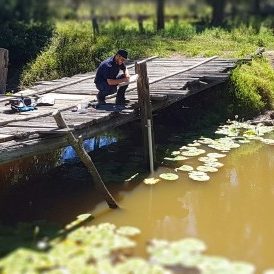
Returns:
point(4, 60)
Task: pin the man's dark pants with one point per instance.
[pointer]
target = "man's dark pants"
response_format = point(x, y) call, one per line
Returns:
point(105, 90)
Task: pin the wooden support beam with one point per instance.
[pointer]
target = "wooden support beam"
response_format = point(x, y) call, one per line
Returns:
point(85, 158)
point(146, 114)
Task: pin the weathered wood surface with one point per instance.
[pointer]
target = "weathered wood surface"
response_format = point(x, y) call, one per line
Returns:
point(4, 61)
point(34, 132)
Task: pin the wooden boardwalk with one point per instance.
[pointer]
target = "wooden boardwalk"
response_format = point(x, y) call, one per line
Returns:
point(34, 132)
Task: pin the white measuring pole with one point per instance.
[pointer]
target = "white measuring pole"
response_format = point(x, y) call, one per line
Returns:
point(150, 148)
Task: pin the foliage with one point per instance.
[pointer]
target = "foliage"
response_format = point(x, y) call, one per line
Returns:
point(108, 249)
point(24, 40)
point(24, 10)
point(74, 49)
point(69, 53)
point(253, 86)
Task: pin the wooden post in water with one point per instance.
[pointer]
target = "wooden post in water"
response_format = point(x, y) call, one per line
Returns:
point(146, 114)
point(4, 61)
point(83, 155)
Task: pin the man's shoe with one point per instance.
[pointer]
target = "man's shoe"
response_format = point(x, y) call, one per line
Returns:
point(122, 102)
point(100, 101)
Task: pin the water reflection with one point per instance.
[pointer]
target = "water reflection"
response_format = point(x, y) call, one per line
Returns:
point(92, 144)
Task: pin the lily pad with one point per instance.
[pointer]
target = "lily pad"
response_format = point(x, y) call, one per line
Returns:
point(194, 144)
point(151, 181)
point(207, 169)
point(184, 168)
point(169, 176)
point(205, 141)
point(243, 267)
point(198, 176)
point(193, 152)
point(268, 141)
point(177, 158)
point(175, 153)
point(84, 217)
point(216, 155)
point(128, 231)
point(207, 159)
point(214, 164)
point(245, 141)
point(214, 264)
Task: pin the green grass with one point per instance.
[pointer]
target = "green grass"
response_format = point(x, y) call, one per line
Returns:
point(73, 50)
point(253, 87)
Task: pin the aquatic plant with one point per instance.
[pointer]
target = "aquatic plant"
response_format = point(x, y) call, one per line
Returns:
point(235, 133)
point(169, 176)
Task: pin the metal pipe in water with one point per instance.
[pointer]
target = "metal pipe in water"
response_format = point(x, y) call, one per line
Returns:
point(151, 162)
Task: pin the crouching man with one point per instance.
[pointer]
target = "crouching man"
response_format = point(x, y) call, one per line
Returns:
point(109, 80)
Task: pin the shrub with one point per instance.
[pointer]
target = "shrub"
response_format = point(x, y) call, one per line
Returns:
point(183, 31)
point(24, 40)
point(253, 86)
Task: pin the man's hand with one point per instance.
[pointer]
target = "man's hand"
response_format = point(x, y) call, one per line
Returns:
point(126, 79)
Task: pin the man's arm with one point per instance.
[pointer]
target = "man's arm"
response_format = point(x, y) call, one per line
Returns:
point(115, 82)
point(126, 72)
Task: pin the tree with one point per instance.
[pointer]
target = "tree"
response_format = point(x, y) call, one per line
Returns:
point(24, 10)
point(256, 7)
point(160, 14)
point(218, 11)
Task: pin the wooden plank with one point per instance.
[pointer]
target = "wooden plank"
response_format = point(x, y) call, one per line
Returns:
point(5, 137)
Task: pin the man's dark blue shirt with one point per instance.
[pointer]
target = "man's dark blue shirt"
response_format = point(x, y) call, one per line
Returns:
point(108, 69)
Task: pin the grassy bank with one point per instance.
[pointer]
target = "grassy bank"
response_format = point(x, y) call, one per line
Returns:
point(74, 49)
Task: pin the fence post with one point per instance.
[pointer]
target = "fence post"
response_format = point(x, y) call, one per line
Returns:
point(146, 115)
point(4, 61)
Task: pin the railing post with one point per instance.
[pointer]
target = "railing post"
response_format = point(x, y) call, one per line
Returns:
point(4, 61)
point(145, 115)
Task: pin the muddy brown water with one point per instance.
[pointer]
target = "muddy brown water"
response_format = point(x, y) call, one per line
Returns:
point(232, 213)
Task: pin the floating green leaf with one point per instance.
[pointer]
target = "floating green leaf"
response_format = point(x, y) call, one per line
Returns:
point(244, 141)
point(268, 141)
point(216, 155)
point(198, 176)
point(242, 268)
point(214, 164)
point(193, 152)
point(207, 169)
point(184, 168)
point(177, 158)
point(151, 181)
point(207, 159)
point(128, 231)
point(138, 266)
point(196, 144)
point(175, 153)
point(169, 176)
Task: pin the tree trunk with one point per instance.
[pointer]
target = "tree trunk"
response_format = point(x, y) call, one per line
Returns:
point(233, 9)
point(218, 7)
point(160, 14)
point(256, 7)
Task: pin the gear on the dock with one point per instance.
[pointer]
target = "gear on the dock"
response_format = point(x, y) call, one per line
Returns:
point(22, 104)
